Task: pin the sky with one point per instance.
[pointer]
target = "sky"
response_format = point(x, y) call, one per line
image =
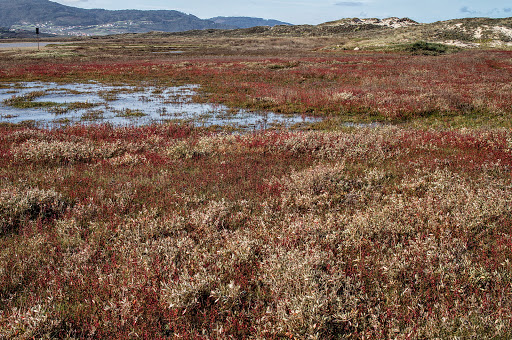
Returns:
point(315, 11)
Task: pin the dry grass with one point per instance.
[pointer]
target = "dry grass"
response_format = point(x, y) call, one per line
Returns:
point(374, 233)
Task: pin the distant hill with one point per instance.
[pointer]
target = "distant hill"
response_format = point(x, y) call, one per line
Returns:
point(390, 33)
point(466, 33)
point(392, 22)
point(55, 18)
point(246, 22)
point(339, 27)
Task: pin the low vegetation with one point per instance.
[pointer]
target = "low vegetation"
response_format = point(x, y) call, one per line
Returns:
point(426, 48)
point(387, 87)
point(26, 101)
point(166, 231)
point(401, 229)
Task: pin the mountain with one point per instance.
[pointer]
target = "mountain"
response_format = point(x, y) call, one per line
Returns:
point(55, 18)
point(246, 22)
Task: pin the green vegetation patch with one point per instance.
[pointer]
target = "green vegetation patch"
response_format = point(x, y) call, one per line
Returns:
point(427, 48)
point(26, 101)
point(130, 113)
point(93, 115)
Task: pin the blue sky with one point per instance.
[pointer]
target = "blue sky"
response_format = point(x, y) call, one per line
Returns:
point(316, 11)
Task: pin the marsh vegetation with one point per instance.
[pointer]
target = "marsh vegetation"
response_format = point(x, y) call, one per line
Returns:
point(398, 229)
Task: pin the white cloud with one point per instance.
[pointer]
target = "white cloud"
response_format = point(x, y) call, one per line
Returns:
point(467, 10)
point(350, 3)
point(495, 11)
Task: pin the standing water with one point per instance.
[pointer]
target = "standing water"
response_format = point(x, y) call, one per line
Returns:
point(56, 104)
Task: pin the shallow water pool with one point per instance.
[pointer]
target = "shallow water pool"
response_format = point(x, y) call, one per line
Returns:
point(53, 104)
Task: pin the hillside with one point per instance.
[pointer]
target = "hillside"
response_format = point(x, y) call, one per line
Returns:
point(246, 22)
point(375, 34)
point(392, 22)
point(466, 33)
